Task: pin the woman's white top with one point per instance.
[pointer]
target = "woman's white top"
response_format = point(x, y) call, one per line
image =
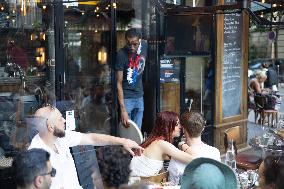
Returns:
point(144, 166)
point(176, 168)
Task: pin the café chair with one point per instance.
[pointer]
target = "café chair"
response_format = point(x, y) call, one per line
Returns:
point(259, 110)
point(159, 178)
point(243, 161)
point(132, 132)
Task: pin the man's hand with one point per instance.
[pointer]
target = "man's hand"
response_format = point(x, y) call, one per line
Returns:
point(130, 144)
point(124, 119)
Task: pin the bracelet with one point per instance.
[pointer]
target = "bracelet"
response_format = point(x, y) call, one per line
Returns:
point(186, 149)
point(180, 145)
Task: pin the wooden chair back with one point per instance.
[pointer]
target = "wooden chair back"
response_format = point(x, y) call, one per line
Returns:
point(159, 178)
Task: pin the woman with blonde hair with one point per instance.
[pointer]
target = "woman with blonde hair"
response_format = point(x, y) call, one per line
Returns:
point(256, 84)
point(158, 146)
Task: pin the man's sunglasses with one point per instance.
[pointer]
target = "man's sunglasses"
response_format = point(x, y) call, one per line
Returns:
point(52, 173)
point(132, 44)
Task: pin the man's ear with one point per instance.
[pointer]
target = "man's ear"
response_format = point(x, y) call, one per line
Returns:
point(49, 126)
point(38, 181)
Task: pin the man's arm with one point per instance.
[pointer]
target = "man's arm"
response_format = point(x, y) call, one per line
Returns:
point(123, 114)
point(102, 140)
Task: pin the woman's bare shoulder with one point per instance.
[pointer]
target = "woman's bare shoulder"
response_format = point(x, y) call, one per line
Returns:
point(162, 142)
point(253, 80)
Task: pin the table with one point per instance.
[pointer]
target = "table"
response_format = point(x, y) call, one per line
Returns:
point(269, 143)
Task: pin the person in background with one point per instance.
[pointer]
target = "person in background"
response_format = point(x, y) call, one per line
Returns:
point(158, 147)
point(272, 78)
point(256, 84)
point(16, 54)
point(256, 88)
point(193, 124)
point(271, 172)
point(130, 66)
point(54, 139)
point(33, 169)
point(113, 165)
point(94, 109)
point(209, 87)
point(207, 173)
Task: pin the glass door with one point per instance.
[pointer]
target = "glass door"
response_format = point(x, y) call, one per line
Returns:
point(189, 55)
point(87, 65)
point(198, 86)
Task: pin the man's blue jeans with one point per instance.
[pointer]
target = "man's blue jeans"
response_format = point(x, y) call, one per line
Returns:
point(135, 107)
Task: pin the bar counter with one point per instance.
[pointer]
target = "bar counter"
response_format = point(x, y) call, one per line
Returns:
point(12, 84)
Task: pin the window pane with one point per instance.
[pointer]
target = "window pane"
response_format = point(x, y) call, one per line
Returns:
point(26, 69)
point(199, 85)
point(87, 64)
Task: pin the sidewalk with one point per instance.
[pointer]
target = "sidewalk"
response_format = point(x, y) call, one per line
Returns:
point(254, 129)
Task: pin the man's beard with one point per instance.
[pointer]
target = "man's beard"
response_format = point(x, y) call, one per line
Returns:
point(58, 133)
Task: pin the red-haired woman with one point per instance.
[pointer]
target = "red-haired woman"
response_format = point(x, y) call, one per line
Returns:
point(159, 146)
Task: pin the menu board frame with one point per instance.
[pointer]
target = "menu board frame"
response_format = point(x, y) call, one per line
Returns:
point(219, 119)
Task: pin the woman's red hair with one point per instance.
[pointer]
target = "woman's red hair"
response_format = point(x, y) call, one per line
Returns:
point(163, 130)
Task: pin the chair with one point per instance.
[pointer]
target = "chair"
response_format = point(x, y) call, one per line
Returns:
point(159, 178)
point(132, 132)
point(243, 161)
point(260, 102)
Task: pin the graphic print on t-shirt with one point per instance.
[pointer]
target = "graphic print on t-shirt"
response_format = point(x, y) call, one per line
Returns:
point(135, 68)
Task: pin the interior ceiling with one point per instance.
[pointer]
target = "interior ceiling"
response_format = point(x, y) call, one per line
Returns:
point(265, 6)
point(261, 12)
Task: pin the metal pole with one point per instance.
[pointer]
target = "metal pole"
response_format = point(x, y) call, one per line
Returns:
point(114, 118)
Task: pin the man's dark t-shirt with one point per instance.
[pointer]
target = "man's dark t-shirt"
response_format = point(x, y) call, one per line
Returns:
point(132, 76)
point(272, 77)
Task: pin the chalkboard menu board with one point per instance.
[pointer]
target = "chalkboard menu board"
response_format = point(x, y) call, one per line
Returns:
point(232, 64)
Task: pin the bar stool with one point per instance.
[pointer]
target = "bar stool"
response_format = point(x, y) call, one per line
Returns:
point(269, 113)
point(260, 102)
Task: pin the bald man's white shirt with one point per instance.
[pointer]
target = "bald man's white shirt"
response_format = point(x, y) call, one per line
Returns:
point(66, 174)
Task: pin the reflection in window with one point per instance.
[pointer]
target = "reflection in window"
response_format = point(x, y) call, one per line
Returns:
point(87, 64)
point(199, 85)
point(24, 70)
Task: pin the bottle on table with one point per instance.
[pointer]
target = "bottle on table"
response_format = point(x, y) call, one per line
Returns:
point(230, 158)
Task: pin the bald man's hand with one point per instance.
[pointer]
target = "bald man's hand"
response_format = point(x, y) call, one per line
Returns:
point(132, 147)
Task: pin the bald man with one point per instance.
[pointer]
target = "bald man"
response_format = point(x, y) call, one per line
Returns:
point(53, 138)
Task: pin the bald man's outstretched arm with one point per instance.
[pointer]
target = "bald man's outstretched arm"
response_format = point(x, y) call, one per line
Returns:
point(102, 140)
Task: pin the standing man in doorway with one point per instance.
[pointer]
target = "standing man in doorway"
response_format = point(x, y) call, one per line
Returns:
point(130, 66)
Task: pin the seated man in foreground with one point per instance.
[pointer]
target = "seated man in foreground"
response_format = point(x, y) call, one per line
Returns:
point(33, 169)
point(54, 139)
point(114, 167)
point(193, 124)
